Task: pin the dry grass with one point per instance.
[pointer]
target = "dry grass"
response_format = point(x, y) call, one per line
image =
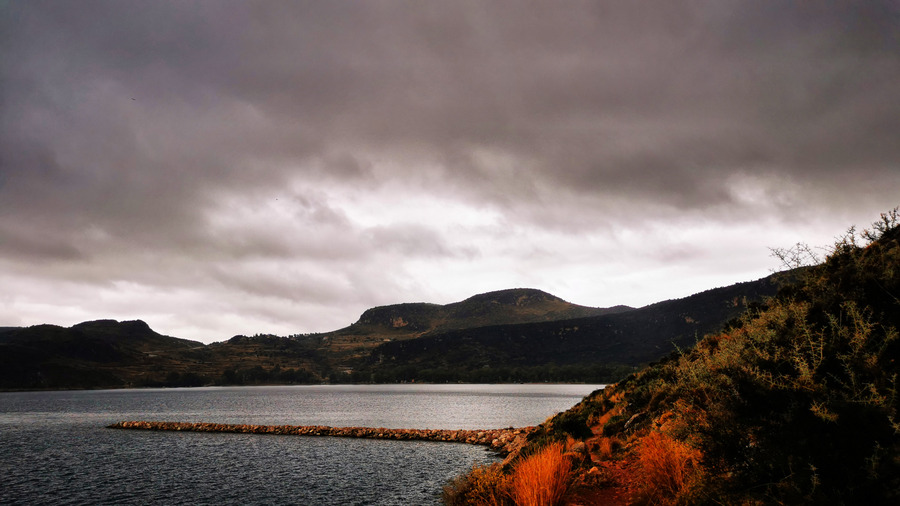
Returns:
point(667, 467)
point(605, 448)
point(542, 479)
point(483, 486)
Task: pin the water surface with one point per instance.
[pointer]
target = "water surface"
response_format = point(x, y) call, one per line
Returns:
point(56, 450)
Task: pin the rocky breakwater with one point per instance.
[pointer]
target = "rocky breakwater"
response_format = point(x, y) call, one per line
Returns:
point(503, 441)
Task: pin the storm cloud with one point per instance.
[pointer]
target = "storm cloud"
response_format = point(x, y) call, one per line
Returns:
point(217, 168)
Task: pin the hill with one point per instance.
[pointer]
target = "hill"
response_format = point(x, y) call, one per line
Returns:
point(111, 354)
point(795, 403)
point(593, 348)
point(91, 354)
point(416, 320)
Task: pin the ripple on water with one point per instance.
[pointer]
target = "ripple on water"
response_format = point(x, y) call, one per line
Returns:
point(55, 449)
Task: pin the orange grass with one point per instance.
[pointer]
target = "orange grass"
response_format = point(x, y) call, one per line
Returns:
point(605, 448)
point(542, 479)
point(667, 466)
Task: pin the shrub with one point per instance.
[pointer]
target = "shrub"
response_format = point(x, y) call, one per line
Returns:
point(483, 486)
point(667, 467)
point(542, 479)
point(606, 447)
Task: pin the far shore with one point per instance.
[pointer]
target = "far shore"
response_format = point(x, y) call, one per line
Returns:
point(410, 383)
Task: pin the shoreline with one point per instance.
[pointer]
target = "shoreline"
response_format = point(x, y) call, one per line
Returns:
point(262, 385)
point(503, 441)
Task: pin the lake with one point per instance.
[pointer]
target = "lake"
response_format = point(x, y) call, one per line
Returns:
point(56, 450)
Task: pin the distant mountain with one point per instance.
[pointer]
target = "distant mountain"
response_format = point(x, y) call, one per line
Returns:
point(111, 354)
point(509, 335)
point(416, 320)
point(627, 338)
point(99, 353)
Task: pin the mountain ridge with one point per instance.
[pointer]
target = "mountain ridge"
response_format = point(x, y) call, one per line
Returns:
point(110, 354)
point(418, 319)
point(627, 338)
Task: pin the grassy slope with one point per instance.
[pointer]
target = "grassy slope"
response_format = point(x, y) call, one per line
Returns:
point(794, 404)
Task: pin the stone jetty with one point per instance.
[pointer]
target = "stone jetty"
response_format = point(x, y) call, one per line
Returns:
point(503, 441)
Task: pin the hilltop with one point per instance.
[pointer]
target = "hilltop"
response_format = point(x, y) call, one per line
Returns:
point(794, 403)
point(400, 322)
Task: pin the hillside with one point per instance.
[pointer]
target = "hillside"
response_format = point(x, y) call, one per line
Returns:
point(102, 353)
point(416, 320)
point(111, 354)
point(795, 403)
point(593, 348)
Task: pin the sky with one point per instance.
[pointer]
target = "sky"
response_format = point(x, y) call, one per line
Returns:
point(223, 168)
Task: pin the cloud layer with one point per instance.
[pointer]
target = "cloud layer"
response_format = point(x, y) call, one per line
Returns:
point(219, 168)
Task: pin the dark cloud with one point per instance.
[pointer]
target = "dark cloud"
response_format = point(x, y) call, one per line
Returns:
point(364, 135)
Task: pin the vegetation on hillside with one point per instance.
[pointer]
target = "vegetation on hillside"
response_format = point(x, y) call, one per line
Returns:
point(348, 347)
point(794, 403)
point(601, 348)
point(111, 354)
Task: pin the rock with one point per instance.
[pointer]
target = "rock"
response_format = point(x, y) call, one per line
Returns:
point(501, 440)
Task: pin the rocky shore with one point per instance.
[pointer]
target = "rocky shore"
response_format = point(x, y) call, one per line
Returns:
point(503, 441)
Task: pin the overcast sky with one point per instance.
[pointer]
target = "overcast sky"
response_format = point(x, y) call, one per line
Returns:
point(221, 168)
